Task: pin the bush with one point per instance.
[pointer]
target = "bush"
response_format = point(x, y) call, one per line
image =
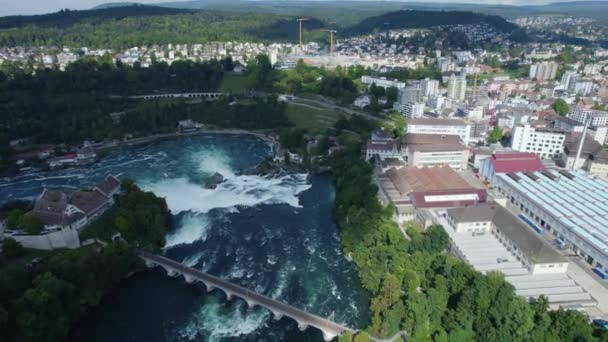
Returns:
point(12, 249)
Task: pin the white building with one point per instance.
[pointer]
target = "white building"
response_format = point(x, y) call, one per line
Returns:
point(529, 248)
point(382, 82)
point(457, 87)
point(436, 102)
point(583, 87)
point(547, 143)
point(596, 117)
point(427, 150)
point(429, 87)
point(569, 80)
point(441, 127)
point(473, 113)
point(410, 110)
point(544, 71)
point(410, 95)
point(362, 101)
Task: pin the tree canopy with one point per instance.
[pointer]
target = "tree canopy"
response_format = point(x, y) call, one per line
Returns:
point(418, 288)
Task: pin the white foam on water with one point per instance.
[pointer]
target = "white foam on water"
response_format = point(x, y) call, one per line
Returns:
point(193, 227)
point(212, 160)
point(247, 190)
point(214, 324)
point(193, 259)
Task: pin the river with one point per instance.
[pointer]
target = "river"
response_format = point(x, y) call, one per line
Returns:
point(274, 235)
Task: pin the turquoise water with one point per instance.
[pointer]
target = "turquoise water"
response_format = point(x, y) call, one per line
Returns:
point(274, 235)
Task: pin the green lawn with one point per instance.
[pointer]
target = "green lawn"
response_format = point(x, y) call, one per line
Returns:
point(236, 84)
point(313, 120)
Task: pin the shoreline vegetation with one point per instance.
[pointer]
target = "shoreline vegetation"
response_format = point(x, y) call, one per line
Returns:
point(43, 294)
point(421, 291)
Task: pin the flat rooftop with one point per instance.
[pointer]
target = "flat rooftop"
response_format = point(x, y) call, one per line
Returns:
point(574, 198)
point(528, 241)
point(436, 122)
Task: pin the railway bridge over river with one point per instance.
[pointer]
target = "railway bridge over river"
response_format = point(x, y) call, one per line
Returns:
point(279, 309)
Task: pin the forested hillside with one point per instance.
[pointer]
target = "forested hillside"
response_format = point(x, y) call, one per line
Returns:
point(128, 26)
point(122, 27)
point(422, 19)
point(66, 18)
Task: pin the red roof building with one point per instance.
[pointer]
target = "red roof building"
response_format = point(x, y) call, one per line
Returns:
point(508, 162)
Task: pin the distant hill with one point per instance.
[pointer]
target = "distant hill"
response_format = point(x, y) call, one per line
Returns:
point(590, 9)
point(422, 19)
point(66, 18)
point(137, 25)
point(117, 4)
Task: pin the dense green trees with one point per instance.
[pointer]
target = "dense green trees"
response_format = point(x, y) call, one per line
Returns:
point(41, 300)
point(418, 288)
point(125, 27)
point(495, 134)
point(70, 106)
point(11, 249)
point(561, 107)
point(261, 73)
point(141, 218)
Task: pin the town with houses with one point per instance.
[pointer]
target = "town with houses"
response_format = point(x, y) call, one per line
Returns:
point(519, 182)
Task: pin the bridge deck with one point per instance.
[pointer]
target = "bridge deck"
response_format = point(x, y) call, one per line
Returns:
point(273, 305)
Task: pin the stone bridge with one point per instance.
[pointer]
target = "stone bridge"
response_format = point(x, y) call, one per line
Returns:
point(279, 309)
point(206, 96)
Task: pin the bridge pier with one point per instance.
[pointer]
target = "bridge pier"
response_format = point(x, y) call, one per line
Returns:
point(278, 309)
point(328, 336)
point(302, 326)
point(277, 316)
point(188, 279)
point(209, 287)
point(250, 304)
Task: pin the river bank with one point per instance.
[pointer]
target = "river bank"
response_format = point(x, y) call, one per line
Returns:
point(274, 234)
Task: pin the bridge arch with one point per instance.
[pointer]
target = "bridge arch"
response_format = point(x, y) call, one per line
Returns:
point(278, 309)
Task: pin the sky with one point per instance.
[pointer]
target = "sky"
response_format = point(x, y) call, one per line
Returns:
point(24, 7)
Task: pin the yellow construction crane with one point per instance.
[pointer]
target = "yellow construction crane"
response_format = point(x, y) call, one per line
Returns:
point(331, 39)
point(300, 20)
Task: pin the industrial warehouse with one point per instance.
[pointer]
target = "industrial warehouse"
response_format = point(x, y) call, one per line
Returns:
point(573, 206)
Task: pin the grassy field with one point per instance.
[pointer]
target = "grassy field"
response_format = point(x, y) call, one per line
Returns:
point(237, 84)
point(313, 120)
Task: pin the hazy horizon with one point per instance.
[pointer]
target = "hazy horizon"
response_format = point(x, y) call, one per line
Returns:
point(30, 7)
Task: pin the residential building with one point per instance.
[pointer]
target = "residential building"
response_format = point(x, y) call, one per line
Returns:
point(382, 82)
point(569, 80)
point(583, 87)
point(410, 109)
point(362, 101)
point(441, 127)
point(457, 87)
point(596, 117)
point(567, 124)
point(544, 71)
point(429, 87)
point(507, 162)
point(410, 95)
point(545, 142)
